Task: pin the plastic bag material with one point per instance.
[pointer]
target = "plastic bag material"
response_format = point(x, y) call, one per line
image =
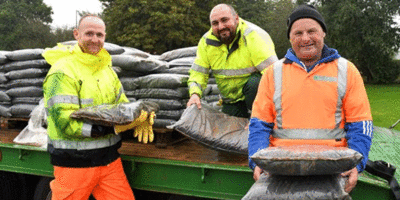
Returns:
point(26, 100)
point(25, 82)
point(4, 97)
point(3, 78)
point(179, 53)
point(30, 91)
point(25, 54)
point(171, 81)
point(114, 114)
point(179, 62)
point(163, 123)
point(34, 133)
point(19, 65)
point(135, 52)
point(214, 129)
point(306, 159)
point(327, 187)
point(178, 70)
point(159, 93)
point(5, 111)
point(168, 104)
point(27, 73)
point(138, 64)
point(22, 110)
point(3, 58)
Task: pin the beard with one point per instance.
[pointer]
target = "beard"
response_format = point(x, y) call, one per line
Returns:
point(227, 39)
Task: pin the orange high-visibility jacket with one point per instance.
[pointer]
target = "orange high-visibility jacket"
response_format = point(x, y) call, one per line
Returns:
point(294, 106)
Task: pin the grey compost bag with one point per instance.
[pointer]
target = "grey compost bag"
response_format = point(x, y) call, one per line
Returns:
point(300, 160)
point(214, 129)
point(327, 187)
point(112, 114)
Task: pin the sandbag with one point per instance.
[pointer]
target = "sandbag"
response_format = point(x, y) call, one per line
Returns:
point(25, 82)
point(3, 58)
point(113, 114)
point(211, 98)
point(124, 73)
point(27, 73)
point(22, 110)
point(214, 129)
point(5, 111)
point(177, 70)
point(171, 81)
point(211, 89)
point(327, 187)
point(159, 93)
point(306, 159)
point(4, 97)
point(26, 100)
point(163, 123)
point(31, 91)
point(25, 54)
point(169, 114)
point(138, 64)
point(135, 52)
point(186, 61)
point(3, 78)
point(168, 104)
point(27, 64)
point(179, 53)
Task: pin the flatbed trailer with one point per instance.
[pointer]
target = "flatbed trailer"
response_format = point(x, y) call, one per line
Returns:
point(184, 168)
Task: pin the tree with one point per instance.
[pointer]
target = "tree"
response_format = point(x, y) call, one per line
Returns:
point(156, 26)
point(24, 24)
point(364, 32)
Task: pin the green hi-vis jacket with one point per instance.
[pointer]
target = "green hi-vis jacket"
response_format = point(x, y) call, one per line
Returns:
point(78, 80)
point(231, 64)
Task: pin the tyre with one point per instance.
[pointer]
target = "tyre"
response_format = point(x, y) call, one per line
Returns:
point(12, 186)
point(42, 189)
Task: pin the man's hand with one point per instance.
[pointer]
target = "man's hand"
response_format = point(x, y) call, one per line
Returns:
point(195, 98)
point(257, 173)
point(351, 183)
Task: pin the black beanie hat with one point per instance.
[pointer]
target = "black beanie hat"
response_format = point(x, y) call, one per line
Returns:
point(305, 11)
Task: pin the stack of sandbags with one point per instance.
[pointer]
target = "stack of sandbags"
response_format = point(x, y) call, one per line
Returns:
point(5, 100)
point(25, 72)
point(303, 172)
point(180, 62)
point(169, 91)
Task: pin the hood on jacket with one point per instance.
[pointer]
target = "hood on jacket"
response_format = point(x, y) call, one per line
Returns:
point(53, 55)
point(327, 55)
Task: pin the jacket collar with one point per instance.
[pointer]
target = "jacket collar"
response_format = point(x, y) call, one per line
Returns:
point(328, 55)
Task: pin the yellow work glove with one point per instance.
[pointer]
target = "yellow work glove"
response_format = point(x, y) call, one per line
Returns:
point(138, 121)
point(145, 130)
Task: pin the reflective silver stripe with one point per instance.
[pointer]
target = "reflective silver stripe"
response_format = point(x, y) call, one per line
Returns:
point(248, 31)
point(67, 99)
point(342, 81)
point(269, 61)
point(85, 145)
point(342, 84)
point(309, 133)
point(278, 91)
point(63, 99)
point(200, 69)
point(121, 91)
point(235, 72)
point(194, 84)
point(86, 130)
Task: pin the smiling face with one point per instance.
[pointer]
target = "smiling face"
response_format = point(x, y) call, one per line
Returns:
point(224, 23)
point(307, 39)
point(91, 34)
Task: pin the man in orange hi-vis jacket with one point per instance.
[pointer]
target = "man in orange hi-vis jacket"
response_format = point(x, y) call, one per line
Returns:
point(312, 96)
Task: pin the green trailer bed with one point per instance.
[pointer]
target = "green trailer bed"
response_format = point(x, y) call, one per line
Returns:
point(188, 168)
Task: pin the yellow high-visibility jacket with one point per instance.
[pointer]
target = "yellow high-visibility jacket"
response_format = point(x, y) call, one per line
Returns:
point(231, 65)
point(77, 80)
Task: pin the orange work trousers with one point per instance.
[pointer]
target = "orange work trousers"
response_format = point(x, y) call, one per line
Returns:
point(104, 182)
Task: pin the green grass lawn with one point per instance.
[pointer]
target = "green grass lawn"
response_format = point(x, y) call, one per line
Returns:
point(385, 104)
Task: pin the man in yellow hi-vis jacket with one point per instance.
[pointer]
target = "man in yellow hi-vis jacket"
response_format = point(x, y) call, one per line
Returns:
point(237, 55)
point(85, 156)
